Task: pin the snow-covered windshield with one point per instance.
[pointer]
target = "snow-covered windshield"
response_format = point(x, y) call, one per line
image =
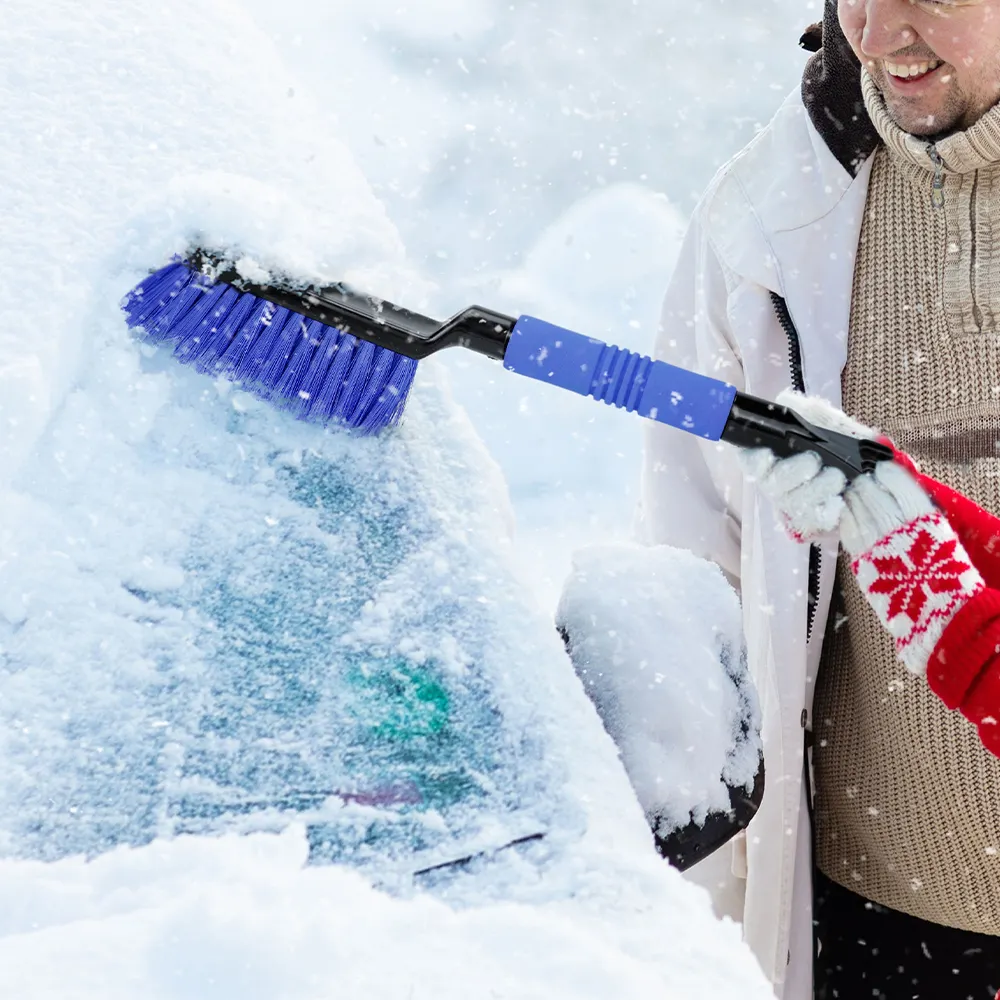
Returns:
point(305, 631)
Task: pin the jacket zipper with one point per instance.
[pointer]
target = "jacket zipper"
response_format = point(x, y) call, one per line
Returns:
point(815, 556)
point(799, 383)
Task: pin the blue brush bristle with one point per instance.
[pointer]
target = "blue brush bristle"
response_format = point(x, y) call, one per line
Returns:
point(318, 373)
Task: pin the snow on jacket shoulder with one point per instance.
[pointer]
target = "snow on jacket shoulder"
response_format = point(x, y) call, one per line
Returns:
point(783, 216)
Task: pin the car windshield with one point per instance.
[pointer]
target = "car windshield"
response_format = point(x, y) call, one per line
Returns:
point(314, 636)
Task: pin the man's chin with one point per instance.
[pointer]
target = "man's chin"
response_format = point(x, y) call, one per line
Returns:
point(919, 118)
point(918, 121)
point(920, 127)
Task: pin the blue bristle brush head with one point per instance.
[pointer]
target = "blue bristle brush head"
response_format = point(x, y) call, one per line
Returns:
point(317, 373)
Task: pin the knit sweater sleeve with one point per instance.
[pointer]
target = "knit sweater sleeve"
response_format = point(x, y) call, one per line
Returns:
point(964, 667)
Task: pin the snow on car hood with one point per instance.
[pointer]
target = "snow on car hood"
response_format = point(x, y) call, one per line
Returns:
point(242, 917)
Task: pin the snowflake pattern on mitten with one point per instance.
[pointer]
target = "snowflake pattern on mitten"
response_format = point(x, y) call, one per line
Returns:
point(916, 578)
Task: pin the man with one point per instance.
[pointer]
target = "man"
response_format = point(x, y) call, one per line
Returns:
point(852, 251)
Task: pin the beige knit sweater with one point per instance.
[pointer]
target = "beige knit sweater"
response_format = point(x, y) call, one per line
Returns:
point(907, 800)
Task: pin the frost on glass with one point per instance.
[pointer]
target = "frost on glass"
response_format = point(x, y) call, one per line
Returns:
point(320, 649)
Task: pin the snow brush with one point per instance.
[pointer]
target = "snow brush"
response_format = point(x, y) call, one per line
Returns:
point(333, 354)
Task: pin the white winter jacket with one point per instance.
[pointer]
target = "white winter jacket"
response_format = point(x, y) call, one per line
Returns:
point(783, 216)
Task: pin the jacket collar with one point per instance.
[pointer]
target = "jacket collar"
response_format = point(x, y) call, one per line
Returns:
point(786, 215)
point(831, 91)
point(786, 181)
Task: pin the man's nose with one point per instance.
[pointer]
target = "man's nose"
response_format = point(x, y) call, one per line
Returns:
point(887, 29)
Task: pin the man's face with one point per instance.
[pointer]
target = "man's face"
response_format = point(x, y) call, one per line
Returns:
point(937, 62)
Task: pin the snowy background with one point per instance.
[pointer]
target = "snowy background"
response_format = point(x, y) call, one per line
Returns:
point(542, 157)
point(532, 157)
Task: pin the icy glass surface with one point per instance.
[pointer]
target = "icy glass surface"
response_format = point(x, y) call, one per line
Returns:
point(246, 674)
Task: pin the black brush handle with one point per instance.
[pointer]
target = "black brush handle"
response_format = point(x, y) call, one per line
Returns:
point(756, 423)
point(752, 422)
point(376, 320)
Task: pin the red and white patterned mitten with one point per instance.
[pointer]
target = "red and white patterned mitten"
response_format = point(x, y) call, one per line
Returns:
point(908, 561)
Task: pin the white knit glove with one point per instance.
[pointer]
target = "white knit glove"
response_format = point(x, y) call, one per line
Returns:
point(807, 495)
point(908, 561)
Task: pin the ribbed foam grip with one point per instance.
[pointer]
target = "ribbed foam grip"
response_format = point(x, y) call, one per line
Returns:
point(620, 377)
point(633, 382)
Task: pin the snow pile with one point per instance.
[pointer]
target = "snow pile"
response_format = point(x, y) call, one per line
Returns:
point(241, 918)
point(655, 635)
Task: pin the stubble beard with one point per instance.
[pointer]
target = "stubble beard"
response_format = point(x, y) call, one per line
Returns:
point(948, 116)
point(955, 112)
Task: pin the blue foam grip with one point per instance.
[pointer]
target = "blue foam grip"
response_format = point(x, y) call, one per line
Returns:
point(694, 403)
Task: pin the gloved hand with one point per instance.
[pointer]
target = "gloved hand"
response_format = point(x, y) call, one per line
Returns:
point(908, 561)
point(807, 495)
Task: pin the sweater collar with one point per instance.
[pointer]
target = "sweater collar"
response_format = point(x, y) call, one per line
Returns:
point(961, 152)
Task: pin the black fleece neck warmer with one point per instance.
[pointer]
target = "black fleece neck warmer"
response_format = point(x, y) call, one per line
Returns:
point(831, 90)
